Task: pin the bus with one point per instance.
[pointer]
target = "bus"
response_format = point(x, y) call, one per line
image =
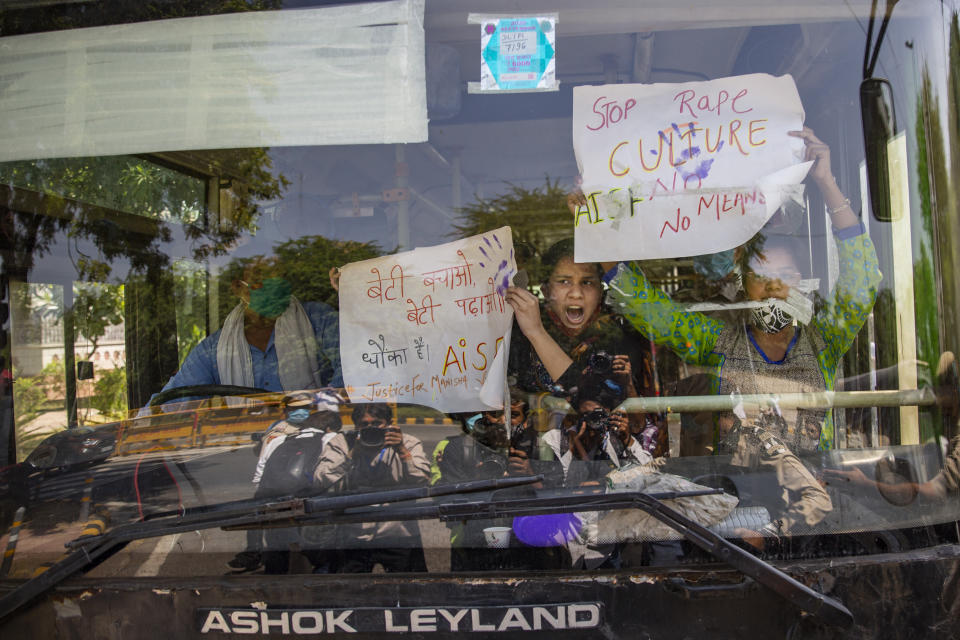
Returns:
point(628, 319)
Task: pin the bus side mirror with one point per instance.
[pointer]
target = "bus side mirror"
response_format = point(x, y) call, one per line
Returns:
point(879, 126)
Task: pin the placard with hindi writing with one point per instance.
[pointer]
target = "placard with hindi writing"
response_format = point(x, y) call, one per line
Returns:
point(429, 326)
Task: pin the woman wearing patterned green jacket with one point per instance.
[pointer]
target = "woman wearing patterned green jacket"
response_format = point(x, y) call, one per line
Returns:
point(766, 352)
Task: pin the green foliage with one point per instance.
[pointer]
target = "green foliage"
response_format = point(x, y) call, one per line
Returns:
point(30, 393)
point(28, 397)
point(122, 183)
point(933, 187)
point(306, 263)
point(53, 377)
point(538, 218)
point(187, 341)
point(45, 16)
point(110, 393)
point(190, 293)
point(96, 307)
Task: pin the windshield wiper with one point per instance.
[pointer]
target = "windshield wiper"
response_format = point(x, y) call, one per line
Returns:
point(284, 511)
point(382, 506)
point(817, 604)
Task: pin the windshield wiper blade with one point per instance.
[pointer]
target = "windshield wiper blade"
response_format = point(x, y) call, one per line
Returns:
point(89, 549)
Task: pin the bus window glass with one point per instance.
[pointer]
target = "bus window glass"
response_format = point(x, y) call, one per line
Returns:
point(662, 273)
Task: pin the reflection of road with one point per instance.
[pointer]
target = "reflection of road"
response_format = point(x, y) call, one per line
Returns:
point(219, 475)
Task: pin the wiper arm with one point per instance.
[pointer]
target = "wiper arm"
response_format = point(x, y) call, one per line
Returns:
point(360, 507)
point(826, 608)
point(830, 610)
point(283, 511)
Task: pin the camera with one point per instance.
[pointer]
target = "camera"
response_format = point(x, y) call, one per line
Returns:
point(490, 463)
point(600, 363)
point(524, 438)
point(371, 436)
point(598, 420)
point(492, 435)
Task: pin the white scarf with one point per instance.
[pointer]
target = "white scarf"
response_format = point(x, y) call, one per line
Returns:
point(293, 338)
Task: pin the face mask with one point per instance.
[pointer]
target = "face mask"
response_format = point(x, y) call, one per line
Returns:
point(272, 298)
point(770, 318)
point(714, 266)
point(298, 415)
point(777, 314)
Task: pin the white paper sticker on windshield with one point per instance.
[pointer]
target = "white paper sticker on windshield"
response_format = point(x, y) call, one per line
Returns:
point(673, 170)
point(517, 53)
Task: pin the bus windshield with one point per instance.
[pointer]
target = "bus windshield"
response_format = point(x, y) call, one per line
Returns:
point(261, 252)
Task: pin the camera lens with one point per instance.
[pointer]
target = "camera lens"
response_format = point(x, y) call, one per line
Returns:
point(492, 467)
point(371, 436)
point(601, 362)
point(597, 420)
point(490, 434)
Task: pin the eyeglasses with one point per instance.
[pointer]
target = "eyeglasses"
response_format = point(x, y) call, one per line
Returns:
point(364, 424)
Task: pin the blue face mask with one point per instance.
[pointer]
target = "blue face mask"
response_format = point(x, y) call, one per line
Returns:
point(472, 422)
point(714, 266)
point(272, 298)
point(298, 415)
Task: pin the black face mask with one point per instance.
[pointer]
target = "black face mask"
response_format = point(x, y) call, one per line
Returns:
point(771, 318)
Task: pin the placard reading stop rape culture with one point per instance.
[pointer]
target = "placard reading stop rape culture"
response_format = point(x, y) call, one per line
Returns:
point(672, 170)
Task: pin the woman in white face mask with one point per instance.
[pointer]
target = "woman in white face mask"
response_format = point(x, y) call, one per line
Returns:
point(771, 277)
point(779, 345)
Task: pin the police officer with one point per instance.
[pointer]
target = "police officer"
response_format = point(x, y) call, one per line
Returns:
point(755, 446)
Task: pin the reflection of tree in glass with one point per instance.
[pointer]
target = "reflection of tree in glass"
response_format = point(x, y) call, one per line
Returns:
point(933, 187)
point(121, 183)
point(306, 263)
point(101, 241)
point(101, 199)
point(538, 217)
point(45, 16)
point(96, 307)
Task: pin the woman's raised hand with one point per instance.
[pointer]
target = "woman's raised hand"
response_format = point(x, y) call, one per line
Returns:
point(526, 306)
point(818, 151)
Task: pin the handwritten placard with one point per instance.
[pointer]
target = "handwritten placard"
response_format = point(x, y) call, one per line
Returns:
point(673, 170)
point(429, 326)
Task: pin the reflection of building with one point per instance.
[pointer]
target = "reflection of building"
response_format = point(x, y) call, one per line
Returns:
point(37, 344)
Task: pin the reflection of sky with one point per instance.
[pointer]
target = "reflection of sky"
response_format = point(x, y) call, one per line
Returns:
point(323, 181)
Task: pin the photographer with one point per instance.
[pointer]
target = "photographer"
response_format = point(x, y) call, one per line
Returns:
point(288, 453)
point(484, 451)
point(381, 457)
point(599, 439)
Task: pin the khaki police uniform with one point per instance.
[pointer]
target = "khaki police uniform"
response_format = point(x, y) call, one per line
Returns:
point(807, 503)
